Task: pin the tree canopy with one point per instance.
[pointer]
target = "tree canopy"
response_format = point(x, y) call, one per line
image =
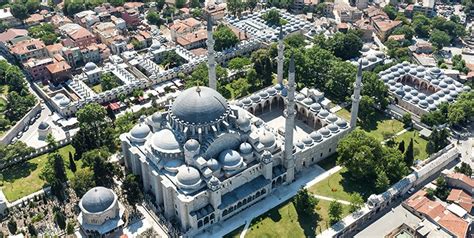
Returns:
point(224, 37)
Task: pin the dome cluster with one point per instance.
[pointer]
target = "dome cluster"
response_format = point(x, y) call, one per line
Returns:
point(446, 89)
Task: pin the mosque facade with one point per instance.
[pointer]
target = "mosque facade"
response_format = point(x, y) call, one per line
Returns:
point(206, 159)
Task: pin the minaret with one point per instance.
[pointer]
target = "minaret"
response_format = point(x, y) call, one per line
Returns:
point(356, 97)
point(290, 114)
point(280, 59)
point(211, 60)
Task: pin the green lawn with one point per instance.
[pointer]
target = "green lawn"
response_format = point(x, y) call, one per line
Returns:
point(382, 127)
point(235, 233)
point(419, 144)
point(97, 88)
point(338, 186)
point(344, 114)
point(23, 179)
point(284, 221)
point(3, 104)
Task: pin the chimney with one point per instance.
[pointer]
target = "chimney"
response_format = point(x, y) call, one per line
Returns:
point(195, 35)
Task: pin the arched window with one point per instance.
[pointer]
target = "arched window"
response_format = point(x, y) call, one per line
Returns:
point(199, 223)
point(206, 220)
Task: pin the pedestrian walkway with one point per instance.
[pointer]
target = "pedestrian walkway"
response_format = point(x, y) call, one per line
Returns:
point(242, 234)
point(331, 199)
point(397, 134)
point(310, 177)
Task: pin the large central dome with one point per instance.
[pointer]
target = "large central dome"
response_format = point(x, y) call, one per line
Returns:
point(199, 105)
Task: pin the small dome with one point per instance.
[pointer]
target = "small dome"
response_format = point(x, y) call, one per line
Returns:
point(435, 97)
point(157, 117)
point(165, 141)
point(300, 97)
point(188, 176)
point(407, 97)
point(246, 101)
point(230, 158)
point(365, 48)
point(422, 96)
point(267, 139)
point(140, 131)
point(443, 84)
point(192, 145)
point(414, 92)
point(420, 68)
point(341, 123)
point(43, 125)
point(307, 141)
point(271, 91)
point(263, 94)
point(212, 164)
point(364, 62)
point(245, 148)
point(64, 102)
point(466, 88)
point(435, 81)
point(90, 66)
point(400, 92)
point(243, 122)
point(315, 107)
point(323, 113)
point(423, 103)
point(308, 101)
point(331, 118)
point(97, 199)
point(325, 132)
point(255, 98)
point(299, 144)
point(155, 46)
point(173, 165)
point(333, 128)
point(316, 136)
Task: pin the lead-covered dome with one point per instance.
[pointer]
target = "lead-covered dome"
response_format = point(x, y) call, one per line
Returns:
point(199, 105)
point(165, 141)
point(97, 199)
point(188, 177)
point(230, 159)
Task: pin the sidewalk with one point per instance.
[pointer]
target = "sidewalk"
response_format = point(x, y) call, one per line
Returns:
point(310, 177)
point(331, 199)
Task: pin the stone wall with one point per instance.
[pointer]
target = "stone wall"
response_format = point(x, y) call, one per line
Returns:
point(20, 125)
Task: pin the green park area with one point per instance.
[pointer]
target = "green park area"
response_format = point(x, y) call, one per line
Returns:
point(344, 114)
point(285, 221)
point(97, 88)
point(419, 144)
point(24, 178)
point(382, 127)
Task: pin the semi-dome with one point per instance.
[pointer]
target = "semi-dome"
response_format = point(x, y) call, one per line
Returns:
point(90, 66)
point(245, 148)
point(230, 158)
point(97, 199)
point(267, 139)
point(212, 164)
point(243, 122)
point(165, 141)
point(192, 145)
point(199, 105)
point(157, 117)
point(140, 131)
point(188, 176)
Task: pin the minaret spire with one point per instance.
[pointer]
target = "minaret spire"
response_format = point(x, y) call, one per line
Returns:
point(211, 60)
point(356, 97)
point(290, 114)
point(281, 55)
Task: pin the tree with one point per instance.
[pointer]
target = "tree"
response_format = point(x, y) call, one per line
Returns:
point(54, 173)
point(72, 164)
point(382, 182)
point(409, 155)
point(238, 63)
point(131, 188)
point(356, 202)
point(251, 4)
point(180, 3)
point(70, 227)
point(437, 140)
point(60, 219)
point(83, 181)
point(422, 25)
point(235, 6)
point(439, 39)
point(224, 37)
point(391, 11)
point(94, 129)
point(295, 41)
point(335, 212)
point(305, 202)
point(366, 109)
point(240, 87)
point(340, 79)
point(345, 46)
point(442, 189)
point(32, 6)
point(12, 226)
point(154, 18)
point(430, 193)
point(262, 63)
point(401, 146)
point(160, 4)
point(19, 11)
point(137, 45)
point(404, 30)
point(375, 88)
point(103, 170)
point(272, 17)
point(32, 230)
point(462, 110)
point(464, 169)
point(406, 119)
point(195, 4)
point(51, 140)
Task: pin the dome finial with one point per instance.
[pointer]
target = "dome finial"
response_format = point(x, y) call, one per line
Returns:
point(198, 89)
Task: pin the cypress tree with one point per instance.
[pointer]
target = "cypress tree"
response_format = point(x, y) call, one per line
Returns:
point(409, 157)
point(401, 146)
point(72, 164)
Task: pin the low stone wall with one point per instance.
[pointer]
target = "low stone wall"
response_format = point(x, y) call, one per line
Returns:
point(20, 125)
point(37, 152)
